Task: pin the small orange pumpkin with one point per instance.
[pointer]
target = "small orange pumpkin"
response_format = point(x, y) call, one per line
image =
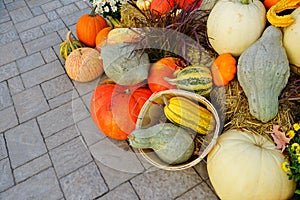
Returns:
point(84, 64)
point(101, 37)
point(162, 7)
point(88, 26)
point(223, 69)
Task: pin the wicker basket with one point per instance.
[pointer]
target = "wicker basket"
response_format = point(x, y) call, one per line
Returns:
point(152, 113)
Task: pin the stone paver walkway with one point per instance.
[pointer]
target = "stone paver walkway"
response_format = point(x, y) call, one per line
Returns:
point(49, 146)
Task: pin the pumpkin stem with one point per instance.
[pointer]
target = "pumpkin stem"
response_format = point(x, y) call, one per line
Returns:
point(245, 1)
point(165, 100)
point(93, 12)
point(127, 91)
point(68, 37)
point(170, 80)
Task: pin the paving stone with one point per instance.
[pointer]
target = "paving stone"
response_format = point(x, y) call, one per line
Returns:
point(200, 192)
point(30, 103)
point(31, 34)
point(42, 74)
point(84, 183)
point(21, 14)
point(66, 10)
point(24, 143)
point(48, 55)
point(73, 18)
point(41, 186)
point(9, 36)
point(6, 177)
point(68, 113)
point(15, 52)
point(52, 15)
point(52, 5)
point(86, 87)
point(70, 157)
point(201, 168)
point(61, 137)
point(5, 98)
point(15, 85)
point(113, 177)
point(15, 5)
point(4, 16)
point(6, 27)
point(87, 99)
point(8, 71)
point(42, 43)
point(57, 86)
point(30, 62)
point(8, 119)
point(53, 26)
point(3, 151)
point(37, 11)
point(34, 3)
point(66, 2)
point(2, 6)
point(89, 131)
point(62, 99)
point(82, 5)
point(32, 22)
point(112, 152)
point(163, 184)
point(124, 191)
point(31, 168)
point(8, 1)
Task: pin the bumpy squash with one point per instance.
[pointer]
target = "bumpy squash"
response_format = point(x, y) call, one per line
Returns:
point(143, 4)
point(233, 25)
point(263, 71)
point(69, 45)
point(171, 143)
point(246, 166)
point(193, 78)
point(182, 111)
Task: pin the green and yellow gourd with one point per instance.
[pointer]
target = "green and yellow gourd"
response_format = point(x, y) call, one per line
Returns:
point(182, 111)
point(193, 78)
point(172, 144)
point(263, 71)
point(69, 45)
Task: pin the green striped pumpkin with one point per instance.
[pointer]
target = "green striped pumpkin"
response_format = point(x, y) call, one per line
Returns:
point(193, 78)
point(69, 45)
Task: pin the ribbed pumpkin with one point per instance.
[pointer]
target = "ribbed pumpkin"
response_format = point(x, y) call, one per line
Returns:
point(69, 45)
point(84, 64)
point(88, 26)
point(114, 108)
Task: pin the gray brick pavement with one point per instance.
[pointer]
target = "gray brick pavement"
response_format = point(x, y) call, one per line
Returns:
point(49, 146)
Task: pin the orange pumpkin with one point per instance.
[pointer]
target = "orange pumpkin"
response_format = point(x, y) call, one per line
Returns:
point(269, 3)
point(115, 108)
point(88, 26)
point(164, 67)
point(101, 37)
point(161, 6)
point(223, 69)
point(84, 64)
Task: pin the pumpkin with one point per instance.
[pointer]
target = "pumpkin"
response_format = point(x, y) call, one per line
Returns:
point(269, 3)
point(291, 38)
point(84, 64)
point(88, 26)
point(114, 108)
point(243, 165)
point(189, 4)
point(67, 46)
point(223, 69)
point(233, 25)
point(124, 65)
point(101, 37)
point(164, 67)
point(282, 5)
point(161, 7)
point(263, 71)
point(123, 35)
point(171, 143)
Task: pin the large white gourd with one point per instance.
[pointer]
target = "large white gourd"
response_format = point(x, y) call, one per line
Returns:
point(245, 166)
point(233, 25)
point(291, 39)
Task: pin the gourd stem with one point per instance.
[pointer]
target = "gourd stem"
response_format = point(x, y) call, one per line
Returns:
point(165, 100)
point(93, 12)
point(245, 1)
point(68, 37)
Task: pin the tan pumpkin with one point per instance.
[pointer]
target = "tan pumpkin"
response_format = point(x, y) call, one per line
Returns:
point(84, 64)
point(246, 166)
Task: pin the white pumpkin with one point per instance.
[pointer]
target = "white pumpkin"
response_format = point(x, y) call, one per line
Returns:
point(232, 26)
point(246, 166)
point(291, 39)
